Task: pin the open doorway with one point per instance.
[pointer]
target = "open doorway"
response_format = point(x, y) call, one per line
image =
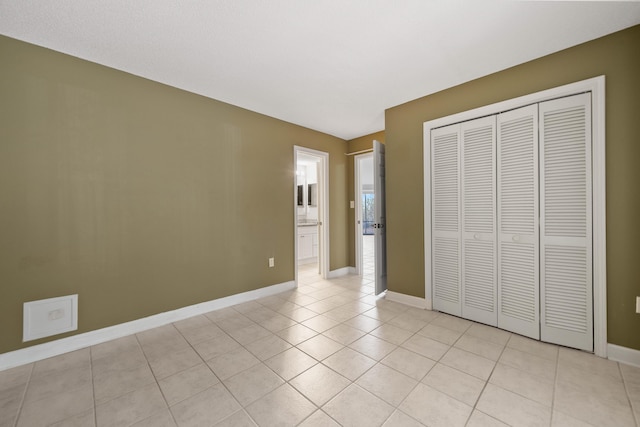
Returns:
point(311, 214)
point(365, 216)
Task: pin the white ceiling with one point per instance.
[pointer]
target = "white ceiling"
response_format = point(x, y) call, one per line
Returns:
point(329, 65)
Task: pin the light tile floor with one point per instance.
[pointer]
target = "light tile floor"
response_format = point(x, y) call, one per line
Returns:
point(326, 354)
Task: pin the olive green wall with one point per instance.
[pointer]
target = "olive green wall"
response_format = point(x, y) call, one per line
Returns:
point(616, 56)
point(139, 197)
point(355, 145)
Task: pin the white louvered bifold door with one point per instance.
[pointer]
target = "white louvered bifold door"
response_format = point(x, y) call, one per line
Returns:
point(518, 238)
point(478, 186)
point(445, 202)
point(566, 226)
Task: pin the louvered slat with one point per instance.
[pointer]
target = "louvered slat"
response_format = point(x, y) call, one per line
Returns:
point(479, 283)
point(518, 262)
point(565, 186)
point(445, 202)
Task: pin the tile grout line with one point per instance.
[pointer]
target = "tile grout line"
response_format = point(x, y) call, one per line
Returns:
point(24, 395)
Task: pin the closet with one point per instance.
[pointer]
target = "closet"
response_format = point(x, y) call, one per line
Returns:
point(511, 220)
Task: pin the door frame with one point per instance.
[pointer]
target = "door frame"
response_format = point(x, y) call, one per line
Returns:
point(358, 208)
point(596, 86)
point(323, 209)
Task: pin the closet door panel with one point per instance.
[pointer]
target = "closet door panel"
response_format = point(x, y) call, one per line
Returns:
point(477, 161)
point(566, 223)
point(518, 227)
point(445, 194)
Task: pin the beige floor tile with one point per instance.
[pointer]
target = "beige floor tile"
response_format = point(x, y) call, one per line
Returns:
point(480, 419)
point(587, 362)
point(487, 349)
point(205, 408)
point(126, 360)
point(513, 409)
point(247, 307)
point(426, 347)
point(131, 407)
point(163, 340)
point(111, 384)
point(387, 384)
point(174, 362)
point(319, 419)
point(607, 386)
point(409, 363)
point(296, 334)
point(221, 314)
point(249, 334)
point(538, 366)
point(440, 333)
point(469, 363)
point(238, 419)
point(537, 348)
point(536, 388)
point(433, 408)
point(355, 406)
point(63, 362)
point(598, 409)
point(320, 323)
point(343, 334)
point(422, 314)
point(373, 347)
point(349, 363)
point(185, 384)
point(463, 387)
point(216, 346)
point(559, 419)
point(10, 401)
point(84, 419)
point(277, 323)
point(268, 347)
point(302, 314)
point(282, 407)
point(160, 419)
point(202, 333)
point(400, 419)
point(343, 313)
point(392, 334)
point(234, 322)
point(115, 347)
point(364, 323)
point(380, 314)
point(452, 322)
point(320, 347)
point(250, 385)
point(231, 363)
point(319, 384)
point(57, 381)
point(408, 322)
point(290, 363)
point(57, 407)
point(489, 333)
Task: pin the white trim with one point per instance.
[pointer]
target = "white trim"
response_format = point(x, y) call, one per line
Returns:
point(344, 271)
point(323, 197)
point(76, 342)
point(406, 299)
point(624, 355)
point(596, 86)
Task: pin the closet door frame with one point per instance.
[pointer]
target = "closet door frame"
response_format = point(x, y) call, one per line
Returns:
point(594, 85)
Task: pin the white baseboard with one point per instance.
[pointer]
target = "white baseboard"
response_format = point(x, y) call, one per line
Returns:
point(76, 342)
point(406, 299)
point(340, 272)
point(625, 355)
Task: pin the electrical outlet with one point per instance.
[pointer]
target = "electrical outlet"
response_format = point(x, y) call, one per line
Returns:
point(272, 262)
point(638, 305)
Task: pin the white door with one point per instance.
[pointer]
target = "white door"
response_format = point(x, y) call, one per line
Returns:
point(381, 220)
point(445, 222)
point(478, 188)
point(566, 222)
point(518, 232)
